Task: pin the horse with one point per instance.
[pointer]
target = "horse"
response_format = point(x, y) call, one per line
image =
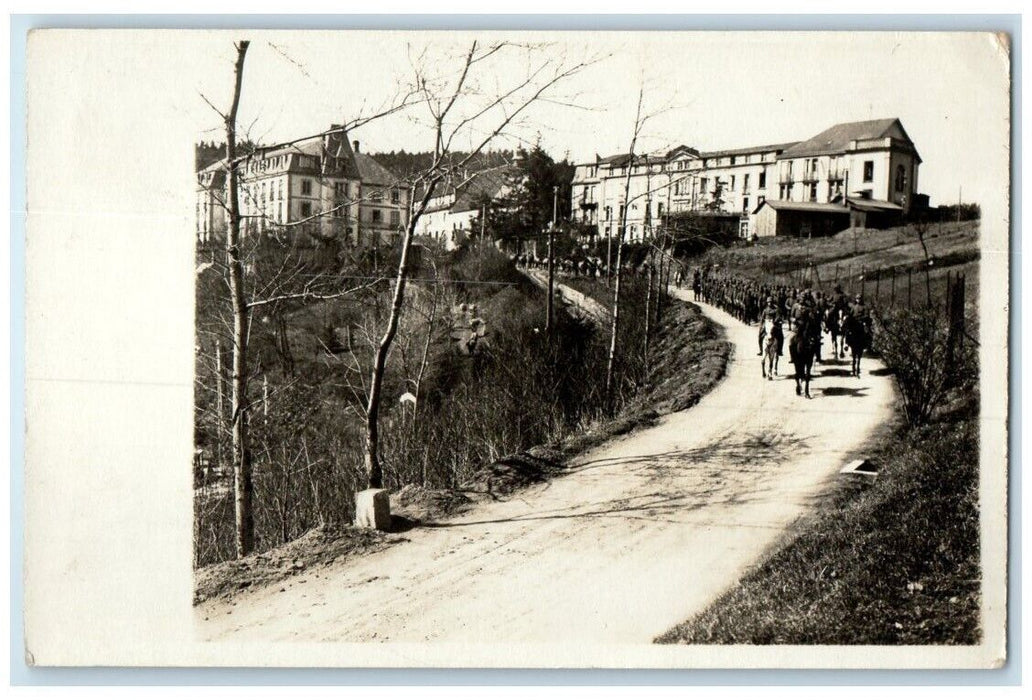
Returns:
point(802, 349)
point(769, 362)
point(857, 337)
point(833, 324)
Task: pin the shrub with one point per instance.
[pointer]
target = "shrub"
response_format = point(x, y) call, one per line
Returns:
point(925, 357)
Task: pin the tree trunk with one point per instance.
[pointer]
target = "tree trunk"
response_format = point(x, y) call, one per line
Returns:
point(551, 281)
point(610, 364)
point(615, 325)
point(648, 317)
point(426, 345)
point(243, 488)
point(374, 470)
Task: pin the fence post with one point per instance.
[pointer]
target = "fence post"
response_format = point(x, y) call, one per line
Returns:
point(949, 298)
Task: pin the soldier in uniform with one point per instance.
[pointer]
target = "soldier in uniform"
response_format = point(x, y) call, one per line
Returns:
point(772, 314)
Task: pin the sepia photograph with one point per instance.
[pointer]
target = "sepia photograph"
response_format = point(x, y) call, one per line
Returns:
point(519, 348)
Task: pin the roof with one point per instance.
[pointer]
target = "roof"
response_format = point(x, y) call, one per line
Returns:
point(487, 184)
point(779, 205)
point(751, 149)
point(468, 195)
point(872, 204)
point(621, 159)
point(836, 139)
point(831, 207)
point(372, 172)
point(328, 148)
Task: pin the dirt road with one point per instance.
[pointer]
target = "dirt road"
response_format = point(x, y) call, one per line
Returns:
point(646, 530)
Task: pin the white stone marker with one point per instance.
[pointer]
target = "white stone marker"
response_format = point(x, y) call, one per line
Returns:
point(373, 509)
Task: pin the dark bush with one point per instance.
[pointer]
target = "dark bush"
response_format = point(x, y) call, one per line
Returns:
point(926, 358)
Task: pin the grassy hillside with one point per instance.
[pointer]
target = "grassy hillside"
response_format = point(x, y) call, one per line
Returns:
point(878, 263)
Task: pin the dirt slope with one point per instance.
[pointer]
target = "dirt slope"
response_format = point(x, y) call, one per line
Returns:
point(646, 530)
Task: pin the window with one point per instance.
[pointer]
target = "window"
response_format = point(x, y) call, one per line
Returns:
point(306, 187)
point(732, 183)
point(760, 200)
point(813, 191)
point(745, 182)
point(306, 209)
point(702, 184)
point(394, 196)
point(732, 160)
point(745, 205)
point(377, 216)
point(763, 179)
point(868, 171)
point(901, 178)
point(659, 210)
point(395, 218)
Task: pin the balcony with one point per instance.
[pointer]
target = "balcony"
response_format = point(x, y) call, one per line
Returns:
point(812, 176)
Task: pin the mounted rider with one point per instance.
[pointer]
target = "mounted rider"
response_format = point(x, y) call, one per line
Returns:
point(858, 310)
point(773, 314)
point(806, 320)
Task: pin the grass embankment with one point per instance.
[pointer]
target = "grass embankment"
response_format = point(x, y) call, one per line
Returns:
point(687, 356)
point(895, 561)
point(887, 260)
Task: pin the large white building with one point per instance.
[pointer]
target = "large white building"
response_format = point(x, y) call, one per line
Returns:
point(450, 214)
point(858, 173)
point(319, 187)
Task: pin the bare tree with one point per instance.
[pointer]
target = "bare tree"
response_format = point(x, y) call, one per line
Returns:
point(287, 281)
point(639, 122)
point(457, 106)
point(243, 487)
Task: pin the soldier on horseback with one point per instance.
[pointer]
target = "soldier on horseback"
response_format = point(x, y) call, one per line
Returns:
point(772, 314)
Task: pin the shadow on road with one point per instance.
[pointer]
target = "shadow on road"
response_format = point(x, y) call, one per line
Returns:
point(857, 393)
point(715, 469)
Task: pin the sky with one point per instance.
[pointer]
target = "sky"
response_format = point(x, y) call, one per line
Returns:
point(708, 90)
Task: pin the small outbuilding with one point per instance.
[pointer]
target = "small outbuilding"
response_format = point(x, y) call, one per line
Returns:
point(800, 219)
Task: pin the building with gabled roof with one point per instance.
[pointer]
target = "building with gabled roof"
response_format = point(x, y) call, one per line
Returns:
point(384, 203)
point(867, 161)
point(316, 188)
point(450, 213)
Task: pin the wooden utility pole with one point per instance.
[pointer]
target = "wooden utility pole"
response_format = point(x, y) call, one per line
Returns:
point(551, 263)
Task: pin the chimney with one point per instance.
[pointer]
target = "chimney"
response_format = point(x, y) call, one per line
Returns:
point(354, 146)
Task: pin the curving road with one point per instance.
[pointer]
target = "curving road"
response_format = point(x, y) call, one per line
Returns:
point(645, 531)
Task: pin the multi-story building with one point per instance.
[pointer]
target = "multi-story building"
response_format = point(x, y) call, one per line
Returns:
point(384, 202)
point(865, 172)
point(452, 211)
point(313, 188)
